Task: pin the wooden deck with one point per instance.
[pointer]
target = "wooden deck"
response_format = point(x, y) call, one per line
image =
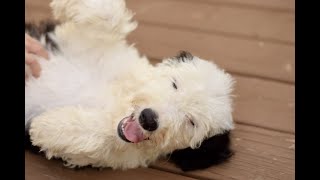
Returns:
point(251, 39)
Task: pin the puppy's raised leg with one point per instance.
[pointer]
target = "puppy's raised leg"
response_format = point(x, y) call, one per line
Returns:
point(97, 18)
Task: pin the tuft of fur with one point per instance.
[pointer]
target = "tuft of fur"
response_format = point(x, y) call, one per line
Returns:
point(96, 79)
point(184, 56)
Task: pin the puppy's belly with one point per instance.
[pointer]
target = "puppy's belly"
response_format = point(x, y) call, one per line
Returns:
point(64, 83)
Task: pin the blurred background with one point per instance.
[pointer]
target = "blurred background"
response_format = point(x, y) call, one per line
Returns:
point(254, 40)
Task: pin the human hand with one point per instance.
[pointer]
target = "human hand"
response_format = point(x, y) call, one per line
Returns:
point(33, 48)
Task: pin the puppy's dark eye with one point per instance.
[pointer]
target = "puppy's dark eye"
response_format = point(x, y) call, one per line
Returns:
point(191, 122)
point(174, 85)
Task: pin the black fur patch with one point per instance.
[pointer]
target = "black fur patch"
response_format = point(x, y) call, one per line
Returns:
point(43, 29)
point(184, 56)
point(212, 151)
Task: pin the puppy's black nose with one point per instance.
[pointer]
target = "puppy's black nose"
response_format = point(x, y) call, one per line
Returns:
point(148, 120)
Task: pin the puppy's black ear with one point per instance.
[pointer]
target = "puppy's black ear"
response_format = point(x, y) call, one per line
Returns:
point(184, 56)
point(212, 151)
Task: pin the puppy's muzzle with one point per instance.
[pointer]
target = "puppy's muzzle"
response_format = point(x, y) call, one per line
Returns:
point(148, 119)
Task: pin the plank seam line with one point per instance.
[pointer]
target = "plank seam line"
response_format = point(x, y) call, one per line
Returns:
point(267, 128)
point(268, 144)
point(216, 32)
point(259, 133)
point(180, 173)
point(245, 6)
point(262, 77)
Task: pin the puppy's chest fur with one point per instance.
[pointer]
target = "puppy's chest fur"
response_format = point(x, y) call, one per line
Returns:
point(81, 78)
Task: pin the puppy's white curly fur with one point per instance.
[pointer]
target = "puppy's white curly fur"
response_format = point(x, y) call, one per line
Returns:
point(97, 79)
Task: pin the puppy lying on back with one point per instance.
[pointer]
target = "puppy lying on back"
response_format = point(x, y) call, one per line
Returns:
point(99, 103)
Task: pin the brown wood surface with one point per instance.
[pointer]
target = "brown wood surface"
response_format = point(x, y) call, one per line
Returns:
point(259, 154)
point(243, 56)
point(38, 168)
point(217, 18)
point(250, 56)
point(275, 5)
point(264, 103)
point(251, 39)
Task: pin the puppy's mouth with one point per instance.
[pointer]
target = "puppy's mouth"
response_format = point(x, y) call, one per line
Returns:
point(129, 130)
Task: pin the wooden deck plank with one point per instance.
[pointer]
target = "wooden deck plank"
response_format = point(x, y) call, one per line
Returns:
point(244, 56)
point(285, 5)
point(39, 168)
point(259, 154)
point(265, 103)
point(263, 59)
point(281, 5)
point(36, 10)
point(217, 18)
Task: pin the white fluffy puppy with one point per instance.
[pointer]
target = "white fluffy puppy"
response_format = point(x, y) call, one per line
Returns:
point(99, 103)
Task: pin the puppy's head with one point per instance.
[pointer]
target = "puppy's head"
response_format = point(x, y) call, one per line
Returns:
point(185, 101)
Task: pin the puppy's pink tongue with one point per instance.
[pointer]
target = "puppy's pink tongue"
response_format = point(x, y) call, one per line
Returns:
point(133, 132)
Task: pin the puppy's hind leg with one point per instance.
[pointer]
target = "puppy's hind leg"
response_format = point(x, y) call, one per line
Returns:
point(105, 16)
